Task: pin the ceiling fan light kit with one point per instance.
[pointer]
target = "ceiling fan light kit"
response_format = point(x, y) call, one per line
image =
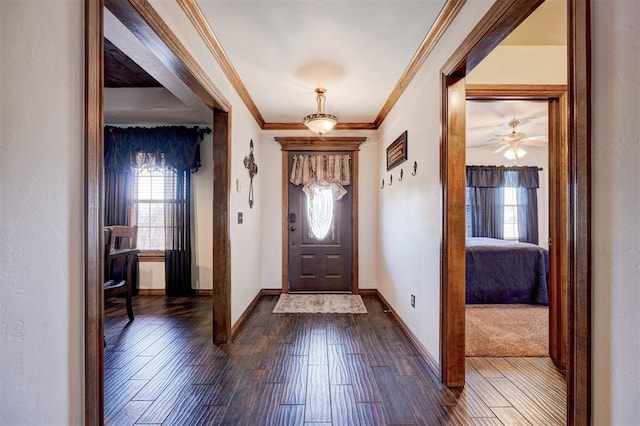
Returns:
point(320, 122)
point(514, 152)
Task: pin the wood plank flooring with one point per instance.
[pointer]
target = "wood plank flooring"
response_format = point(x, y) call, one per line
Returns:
point(303, 369)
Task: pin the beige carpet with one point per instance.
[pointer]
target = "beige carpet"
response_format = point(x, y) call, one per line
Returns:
point(319, 304)
point(507, 330)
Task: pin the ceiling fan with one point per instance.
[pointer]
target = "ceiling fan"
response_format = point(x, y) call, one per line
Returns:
point(511, 142)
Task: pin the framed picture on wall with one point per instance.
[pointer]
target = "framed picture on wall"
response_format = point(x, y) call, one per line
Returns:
point(397, 151)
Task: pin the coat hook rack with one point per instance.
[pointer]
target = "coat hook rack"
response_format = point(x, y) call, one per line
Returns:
point(390, 180)
point(382, 186)
point(415, 168)
point(401, 175)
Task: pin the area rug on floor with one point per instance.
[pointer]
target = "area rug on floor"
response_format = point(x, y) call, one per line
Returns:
point(507, 330)
point(319, 304)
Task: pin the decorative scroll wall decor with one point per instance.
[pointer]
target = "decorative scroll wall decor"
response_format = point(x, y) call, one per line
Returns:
point(250, 164)
point(397, 151)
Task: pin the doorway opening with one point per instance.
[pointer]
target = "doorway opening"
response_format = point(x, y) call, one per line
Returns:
point(499, 22)
point(149, 28)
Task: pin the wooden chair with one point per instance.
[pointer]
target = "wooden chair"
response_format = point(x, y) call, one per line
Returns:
point(123, 237)
point(117, 272)
point(126, 237)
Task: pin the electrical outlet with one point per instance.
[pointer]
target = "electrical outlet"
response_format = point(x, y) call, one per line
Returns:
point(413, 301)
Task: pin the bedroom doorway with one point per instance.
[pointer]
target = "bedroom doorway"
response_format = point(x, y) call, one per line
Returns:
point(501, 19)
point(545, 105)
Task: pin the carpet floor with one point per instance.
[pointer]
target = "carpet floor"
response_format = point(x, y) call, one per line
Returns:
point(507, 330)
point(319, 304)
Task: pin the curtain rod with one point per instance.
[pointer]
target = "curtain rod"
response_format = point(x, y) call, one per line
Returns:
point(507, 167)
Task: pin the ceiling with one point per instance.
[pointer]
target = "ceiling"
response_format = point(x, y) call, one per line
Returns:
point(282, 50)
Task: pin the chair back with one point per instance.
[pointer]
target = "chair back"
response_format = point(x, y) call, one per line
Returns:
point(107, 249)
point(123, 237)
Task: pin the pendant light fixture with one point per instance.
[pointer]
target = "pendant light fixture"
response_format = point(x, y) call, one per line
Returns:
point(320, 122)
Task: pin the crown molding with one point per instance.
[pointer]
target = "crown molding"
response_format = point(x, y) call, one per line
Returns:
point(197, 18)
point(446, 16)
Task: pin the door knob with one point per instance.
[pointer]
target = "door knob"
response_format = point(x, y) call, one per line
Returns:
point(292, 228)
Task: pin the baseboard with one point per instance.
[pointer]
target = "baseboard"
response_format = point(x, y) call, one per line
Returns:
point(161, 292)
point(368, 292)
point(151, 292)
point(263, 292)
point(428, 358)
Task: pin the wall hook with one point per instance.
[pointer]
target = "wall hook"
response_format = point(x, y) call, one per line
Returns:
point(382, 186)
point(415, 168)
point(390, 180)
point(401, 175)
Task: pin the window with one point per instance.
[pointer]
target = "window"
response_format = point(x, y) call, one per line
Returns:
point(320, 211)
point(148, 207)
point(510, 214)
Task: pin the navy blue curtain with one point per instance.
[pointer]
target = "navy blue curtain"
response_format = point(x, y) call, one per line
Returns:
point(177, 235)
point(486, 198)
point(175, 149)
point(485, 195)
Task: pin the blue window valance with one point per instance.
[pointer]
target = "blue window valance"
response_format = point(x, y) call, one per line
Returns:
point(175, 148)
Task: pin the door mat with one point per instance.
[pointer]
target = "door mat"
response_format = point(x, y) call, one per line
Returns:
point(319, 304)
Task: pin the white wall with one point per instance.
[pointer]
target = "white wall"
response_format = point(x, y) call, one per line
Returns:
point(246, 253)
point(202, 232)
point(537, 157)
point(616, 211)
point(41, 212)
point(410, 212)
point(522, 65)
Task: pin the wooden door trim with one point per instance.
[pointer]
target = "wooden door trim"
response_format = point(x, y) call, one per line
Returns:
point(320, 144)
point(140, 18)
point(501, 19)
point(556, 96)
point(93, 212)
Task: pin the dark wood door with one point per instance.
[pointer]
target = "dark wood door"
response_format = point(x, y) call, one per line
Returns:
point(319, 264)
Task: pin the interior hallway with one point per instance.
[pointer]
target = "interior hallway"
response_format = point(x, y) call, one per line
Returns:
point(301, 369)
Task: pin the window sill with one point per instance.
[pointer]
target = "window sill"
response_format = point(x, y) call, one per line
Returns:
point(151, 256)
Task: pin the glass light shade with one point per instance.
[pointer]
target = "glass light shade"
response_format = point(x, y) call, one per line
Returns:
point(320, 123)
point(514, 153)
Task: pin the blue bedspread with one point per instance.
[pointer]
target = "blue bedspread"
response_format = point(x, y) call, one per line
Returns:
point(499, 271)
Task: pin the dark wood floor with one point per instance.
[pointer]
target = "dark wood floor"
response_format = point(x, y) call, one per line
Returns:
point(303, 369)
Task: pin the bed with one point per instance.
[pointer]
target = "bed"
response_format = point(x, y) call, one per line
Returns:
point(499, 271)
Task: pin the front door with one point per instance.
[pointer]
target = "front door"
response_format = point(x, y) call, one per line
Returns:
point(320, 246)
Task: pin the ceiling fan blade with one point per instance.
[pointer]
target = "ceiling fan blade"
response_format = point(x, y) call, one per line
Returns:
point(483, 145)
point(535, 143)
point(502, 148)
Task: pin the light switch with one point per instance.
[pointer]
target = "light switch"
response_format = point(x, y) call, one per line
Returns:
point(239, 185)
point(239, 218)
